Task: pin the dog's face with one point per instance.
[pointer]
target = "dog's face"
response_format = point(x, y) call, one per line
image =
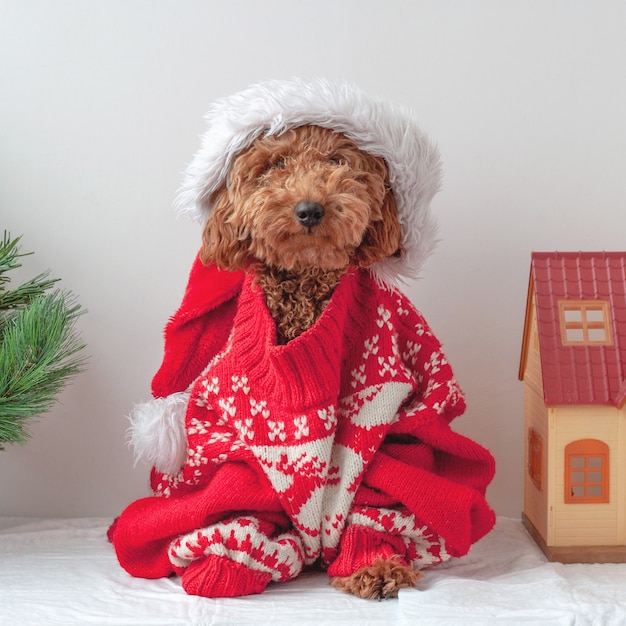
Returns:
point(307, 198)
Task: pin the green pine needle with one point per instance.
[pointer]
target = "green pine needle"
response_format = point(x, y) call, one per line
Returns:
point(39, 347)
point(25, 293)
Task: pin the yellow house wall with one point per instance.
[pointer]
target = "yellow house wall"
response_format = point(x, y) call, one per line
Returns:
point(535, 500)
point(535, 417)
point(588, 524)
point(558, 523)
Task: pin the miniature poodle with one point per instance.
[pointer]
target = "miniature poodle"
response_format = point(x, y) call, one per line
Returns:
point(299, 209)
point(301, 414)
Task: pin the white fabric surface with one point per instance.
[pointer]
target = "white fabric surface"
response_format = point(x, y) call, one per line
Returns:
point(64, 571)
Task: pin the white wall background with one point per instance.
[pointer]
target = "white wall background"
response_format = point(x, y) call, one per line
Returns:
point(101, 104)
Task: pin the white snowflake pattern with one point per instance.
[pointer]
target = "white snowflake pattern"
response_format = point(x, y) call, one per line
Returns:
point(277, 431)
point(228, 409)
point(412, 350)
point(435, 362)
point(237, 445)
point(259, 406)
point(240, 382)
point(302, 427)
point(167, 483)
point(328, 417)
point(195, 457)
point(245, 428)
point(220, 458)
point(171, 483)
point(394, 344)
point(371, 347)
point(358, 376)
point(198, 427)
point(212, 386)
point(430, 388)
point(387, 365)
point(220, 437)
point(432, 385)
point(207, 387)
point(384, 317)
point(164, 490)
point(420, 329)
point(201, 399)
point(439, 407)
point(454, 393)
point(401, 310)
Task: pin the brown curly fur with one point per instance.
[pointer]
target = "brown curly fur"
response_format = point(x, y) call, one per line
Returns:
point(379, 581)
point(296, 300)
point(253, 222)
point(253, 226)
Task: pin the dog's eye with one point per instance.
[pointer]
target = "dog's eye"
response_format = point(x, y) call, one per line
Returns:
point(277, 164)
point(270, 166)
point(336, 161)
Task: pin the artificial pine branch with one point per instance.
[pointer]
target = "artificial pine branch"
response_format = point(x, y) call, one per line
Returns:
point(24, 294)
point(39, 346)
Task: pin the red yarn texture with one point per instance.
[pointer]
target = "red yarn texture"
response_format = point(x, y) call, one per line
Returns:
point(335, 448)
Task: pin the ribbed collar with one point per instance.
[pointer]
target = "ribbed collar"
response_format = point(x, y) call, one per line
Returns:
point(306, 372)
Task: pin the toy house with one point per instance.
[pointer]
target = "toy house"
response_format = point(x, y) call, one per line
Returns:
point(573, 363)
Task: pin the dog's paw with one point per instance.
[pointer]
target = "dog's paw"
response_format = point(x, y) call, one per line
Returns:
point(378, 581)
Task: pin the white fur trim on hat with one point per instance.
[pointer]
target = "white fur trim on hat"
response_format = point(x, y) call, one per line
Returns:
point(376, 126)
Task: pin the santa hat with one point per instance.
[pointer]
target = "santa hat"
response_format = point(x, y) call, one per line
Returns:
point(376, 126)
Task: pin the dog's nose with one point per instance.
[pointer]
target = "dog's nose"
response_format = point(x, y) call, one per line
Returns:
point(309, 213)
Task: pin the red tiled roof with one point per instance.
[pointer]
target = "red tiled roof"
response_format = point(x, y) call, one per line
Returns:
point(580, 374)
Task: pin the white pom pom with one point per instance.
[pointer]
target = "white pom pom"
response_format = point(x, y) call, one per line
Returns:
point(157, 432)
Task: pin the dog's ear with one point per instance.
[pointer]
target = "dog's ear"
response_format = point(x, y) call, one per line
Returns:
point(224, 241)
point(383, 237)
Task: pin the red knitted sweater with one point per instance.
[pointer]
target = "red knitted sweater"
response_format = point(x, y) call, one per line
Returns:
point(335, 448)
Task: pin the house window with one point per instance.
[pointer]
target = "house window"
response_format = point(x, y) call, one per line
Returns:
point(535, 458)
point(585, 322)
point(586, 472)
